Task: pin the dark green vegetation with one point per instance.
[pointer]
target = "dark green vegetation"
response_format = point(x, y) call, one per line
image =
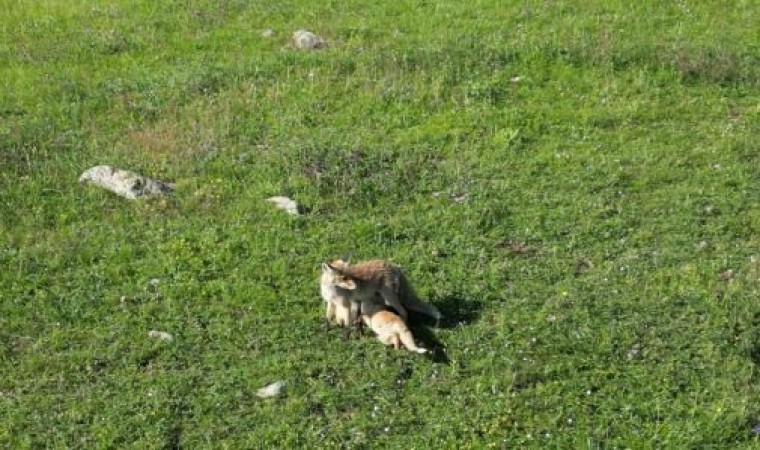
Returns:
point(575, 185)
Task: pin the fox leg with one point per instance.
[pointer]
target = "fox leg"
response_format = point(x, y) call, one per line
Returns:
point(342, 313)
point(359, 327)
point(329, 315)
point(395, 342)
point(345, 322)
point(391, 299)
point(330, 311)
point(355, 317)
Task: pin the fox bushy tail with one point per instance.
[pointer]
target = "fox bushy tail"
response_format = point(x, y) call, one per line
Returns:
point(408, 340)
point(410, 301)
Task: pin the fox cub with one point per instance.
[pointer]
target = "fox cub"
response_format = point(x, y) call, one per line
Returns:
point(361, 285)
point(389, 327)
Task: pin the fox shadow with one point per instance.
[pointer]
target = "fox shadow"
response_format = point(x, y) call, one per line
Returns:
point(456, 310)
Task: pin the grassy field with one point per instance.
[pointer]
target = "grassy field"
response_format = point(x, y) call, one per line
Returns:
point(574, 184)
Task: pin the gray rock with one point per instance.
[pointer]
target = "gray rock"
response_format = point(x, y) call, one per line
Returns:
point(306, 40)
point(271, 390)
point(161, 335)
point(285, 204)
point(124, 183)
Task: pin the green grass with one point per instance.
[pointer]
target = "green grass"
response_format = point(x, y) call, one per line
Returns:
point(590, 230)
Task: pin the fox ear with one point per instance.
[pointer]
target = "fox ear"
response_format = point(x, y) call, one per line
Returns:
point(346, 283)
point(326, 267)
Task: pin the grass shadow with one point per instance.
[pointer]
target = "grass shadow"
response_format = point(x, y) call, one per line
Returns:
point(753, 350)
point(752, 424)
point(427, 339)
point(754, 355)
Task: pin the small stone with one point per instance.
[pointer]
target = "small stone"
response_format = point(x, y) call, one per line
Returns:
point(460, 198)
point(271, 390)
point(285, 204)
point(727, 275)
point(267, 33)
point(306, 40)
point(161, 335)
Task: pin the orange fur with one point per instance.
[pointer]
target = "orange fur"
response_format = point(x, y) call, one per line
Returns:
point(391, 330)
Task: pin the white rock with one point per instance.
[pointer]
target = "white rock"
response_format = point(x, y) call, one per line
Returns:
point(460, 198)
point(162, 335)
point(306, 40)
point(271, 390)
point(285, 204)
point(124, 183)
point(267, 33)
